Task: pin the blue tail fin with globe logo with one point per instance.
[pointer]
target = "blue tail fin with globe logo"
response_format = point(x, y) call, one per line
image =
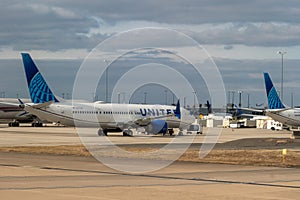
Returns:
point(274, 101)
point(38, 89)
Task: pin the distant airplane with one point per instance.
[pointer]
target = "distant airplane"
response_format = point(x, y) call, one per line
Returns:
point(208, 105)
point(276, 109)
point(259, 105)
point(11, 112)
point(248, 113)
point(110, 117)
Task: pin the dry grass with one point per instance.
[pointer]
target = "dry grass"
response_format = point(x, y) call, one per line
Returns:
point(55, 150)
point(246, 157)
point(243, 157)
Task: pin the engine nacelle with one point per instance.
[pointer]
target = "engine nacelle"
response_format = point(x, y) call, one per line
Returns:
point(157, 126)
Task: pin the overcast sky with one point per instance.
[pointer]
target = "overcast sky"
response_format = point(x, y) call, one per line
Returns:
point(242, 37)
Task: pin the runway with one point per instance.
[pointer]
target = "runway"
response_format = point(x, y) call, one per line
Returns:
point(29, 176)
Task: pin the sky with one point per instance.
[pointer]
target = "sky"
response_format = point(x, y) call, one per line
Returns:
point(242, 38)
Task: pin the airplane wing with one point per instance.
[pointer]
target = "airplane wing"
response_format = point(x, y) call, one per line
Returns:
point(276, 111)
point(10, 107)
point(9, 104)
point(36, 106)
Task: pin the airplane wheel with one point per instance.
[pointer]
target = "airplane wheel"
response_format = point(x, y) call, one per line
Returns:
point(102, 132)
point(171, 132)
point(180, 133)
point(37, 124)
point(127, 133)
point(13, 124)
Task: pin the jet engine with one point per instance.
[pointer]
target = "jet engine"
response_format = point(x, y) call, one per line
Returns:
point(157, 126)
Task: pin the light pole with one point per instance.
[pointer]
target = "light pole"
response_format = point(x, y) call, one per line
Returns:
point(173, 99)
point(3, 94)
point(240, 98)
point(233, 98)
point(106, 81)
point(292, 100)
point(194, 99)
point(166, 91)
point(145, 97)
point(281, 90)
point(248, 97)
point(124, 97)
point(229, 97)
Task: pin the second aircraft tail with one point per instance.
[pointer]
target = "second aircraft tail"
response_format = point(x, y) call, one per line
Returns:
point(274, 101)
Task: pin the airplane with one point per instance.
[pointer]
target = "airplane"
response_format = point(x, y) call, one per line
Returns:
point(276, 109)
point(109, 117)
point(248, 113)
point(11, 112)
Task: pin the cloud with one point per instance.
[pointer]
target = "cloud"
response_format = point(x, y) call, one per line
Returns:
point(192, 11)
point(42, 9)
point(68, 24)
point(28, 26)
point(249, 34)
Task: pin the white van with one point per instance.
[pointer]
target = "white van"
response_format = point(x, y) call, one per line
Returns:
point(194, 128)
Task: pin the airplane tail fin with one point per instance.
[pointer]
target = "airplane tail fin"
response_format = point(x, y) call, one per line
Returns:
point(39, 91)
point(177, 110)
point(238, 112)
point(274, 101)
point(209, 110)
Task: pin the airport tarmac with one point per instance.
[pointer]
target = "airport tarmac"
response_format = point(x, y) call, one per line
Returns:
point(45, 176)
point(33, 176)
point(55, 135)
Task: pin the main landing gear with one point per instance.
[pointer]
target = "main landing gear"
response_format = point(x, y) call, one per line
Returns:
point(37, 124)
point(180, 133)
point(127, 132)
point(102, 132)
point(171, 131)
point(14, 124)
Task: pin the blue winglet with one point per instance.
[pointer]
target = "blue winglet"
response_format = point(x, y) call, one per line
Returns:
point(239, 112)
point(39, 90)
point(177, 110)
point(21, 102)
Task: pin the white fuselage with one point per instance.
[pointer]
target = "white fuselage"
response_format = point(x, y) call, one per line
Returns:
point(10, 110)
point(289, 117)
point(109, 116)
